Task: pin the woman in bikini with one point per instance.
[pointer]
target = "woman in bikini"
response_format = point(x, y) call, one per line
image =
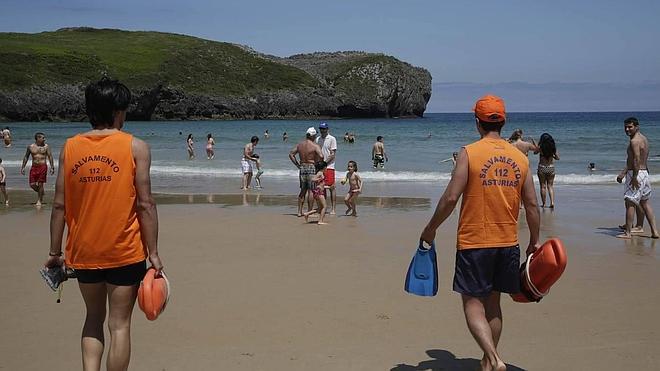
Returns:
point(547, 151)
point(210, 153)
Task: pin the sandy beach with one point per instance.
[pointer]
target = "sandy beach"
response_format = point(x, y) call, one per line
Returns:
point(254, 288)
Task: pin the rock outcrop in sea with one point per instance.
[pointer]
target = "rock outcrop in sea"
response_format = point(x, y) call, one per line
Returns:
point(202, 79)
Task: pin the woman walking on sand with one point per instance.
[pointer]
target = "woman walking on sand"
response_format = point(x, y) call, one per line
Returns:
point(210, 153)
point(546, 171)
point(189, 147)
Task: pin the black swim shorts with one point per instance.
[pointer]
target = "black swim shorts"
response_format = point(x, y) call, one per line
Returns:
point(128, 275)
point(480, 271)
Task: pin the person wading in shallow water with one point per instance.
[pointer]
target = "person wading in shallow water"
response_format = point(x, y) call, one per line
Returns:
point(492, 176)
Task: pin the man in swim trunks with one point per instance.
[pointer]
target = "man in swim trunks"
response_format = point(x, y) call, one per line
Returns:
point(246, 162)
point(309, 153)
point(378, 154)
point(328, 145)
point(492, 176)
point(40, 152)
point(637, 188)
point(103, 195)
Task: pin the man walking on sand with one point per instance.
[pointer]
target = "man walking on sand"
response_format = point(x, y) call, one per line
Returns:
point(328, 145)
point(40, 152)
point(309, 153)
point(246, 162)
point(103, 194)
point(637, 189)
point(492, 176)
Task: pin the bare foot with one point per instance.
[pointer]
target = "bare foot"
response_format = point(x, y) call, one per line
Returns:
point(38, 204)
point(322, 223)
point(354, 213)
point(306, 218)
point(333, 212)
point(624, 235)
point(348, 211)
point(552, 206)
point(655, 236)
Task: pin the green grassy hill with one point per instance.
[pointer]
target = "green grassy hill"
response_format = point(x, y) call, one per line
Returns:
point(141, 60)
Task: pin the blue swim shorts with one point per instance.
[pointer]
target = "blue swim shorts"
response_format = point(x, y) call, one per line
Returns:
point(480, 271)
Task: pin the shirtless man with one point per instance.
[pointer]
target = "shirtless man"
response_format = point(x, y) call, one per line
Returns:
point(378, 154)
point(309, 153)
point(6, 136)
point(523, 146)
point(637, 190)
point(40, 152)
point(247, 160)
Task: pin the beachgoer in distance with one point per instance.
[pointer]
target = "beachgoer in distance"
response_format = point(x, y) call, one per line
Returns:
point(6, 136)
point(378, 154)
point(318, 190)
point(190, 147)
point(492, 176)
point(103, 195)
point(351, 138)
point(637, 190)
point(309, 153)
point(247, 160)
point(210, 142)
point(592, 166)
point(266, 134)
point(285, 137)
point(346, 137)
point(328, 145)
point(40, 152)
point(354, 187)
point(257, 178)
point(517, 140)
point(3, 183)
point(547, 151)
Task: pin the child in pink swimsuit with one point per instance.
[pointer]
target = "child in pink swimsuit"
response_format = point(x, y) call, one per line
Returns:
point(318, 191)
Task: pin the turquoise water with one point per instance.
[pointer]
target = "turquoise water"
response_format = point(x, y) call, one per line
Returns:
point(414, 157)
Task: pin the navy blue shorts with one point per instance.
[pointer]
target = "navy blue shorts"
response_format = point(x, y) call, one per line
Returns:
point(481, 271)
point(128, 275)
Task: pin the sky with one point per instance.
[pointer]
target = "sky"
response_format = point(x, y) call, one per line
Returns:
point(518, 47)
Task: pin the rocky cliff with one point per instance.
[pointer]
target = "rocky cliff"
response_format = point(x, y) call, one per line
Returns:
point(176, 77)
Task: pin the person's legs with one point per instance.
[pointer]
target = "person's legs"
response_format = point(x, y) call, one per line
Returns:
point(92, 340)
point(630, 214)
point(480, 328)
point(40, 192)
point(639, 226)
point(121, 301)
point(3, 190)
point(248, 180)
point(333, 200)
point(322, 207)
point(353, 202)
point(648, 210)
point(347, 202)
point(550, 180)
point(542, 187)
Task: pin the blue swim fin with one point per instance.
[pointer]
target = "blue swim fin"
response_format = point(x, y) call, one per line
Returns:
point(422, 277)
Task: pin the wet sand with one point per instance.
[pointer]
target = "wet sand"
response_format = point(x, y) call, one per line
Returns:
point(254, 288)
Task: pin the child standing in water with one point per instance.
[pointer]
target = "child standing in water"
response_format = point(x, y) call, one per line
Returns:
point(354, 188)
point(210, 142)
point(189, 147)
point(3, 180)
point(318, 189)
point(257, 178)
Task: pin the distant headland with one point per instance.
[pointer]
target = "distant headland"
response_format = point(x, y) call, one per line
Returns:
point(179, 77)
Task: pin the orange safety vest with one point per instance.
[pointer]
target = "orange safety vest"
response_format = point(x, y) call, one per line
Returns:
point(100, 202)
point(491, 200)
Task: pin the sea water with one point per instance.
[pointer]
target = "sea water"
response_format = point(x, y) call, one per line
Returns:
point(415, 148)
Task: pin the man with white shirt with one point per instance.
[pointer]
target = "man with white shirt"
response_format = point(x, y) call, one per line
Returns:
point(328, 145)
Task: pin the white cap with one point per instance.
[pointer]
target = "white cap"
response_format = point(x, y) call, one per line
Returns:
point(311, 131)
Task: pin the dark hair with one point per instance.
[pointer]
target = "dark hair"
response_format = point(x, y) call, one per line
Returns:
point(320, 165)
point(37, 135)
point(378, 138)
point(103, 98)
point(354, 164)
point(0, 160)
point(631, 120)
point(517, 134)
point(189, 136)
point(254, 155)
point(254, 139)
point(547, 145)
point(491, 126)
point(209, 136)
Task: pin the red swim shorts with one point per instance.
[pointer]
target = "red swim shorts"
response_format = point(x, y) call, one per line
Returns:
point(38, 173)
point(329, 175)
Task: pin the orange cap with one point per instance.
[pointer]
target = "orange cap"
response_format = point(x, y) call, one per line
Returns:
point(490, 108)
point(153, 294)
